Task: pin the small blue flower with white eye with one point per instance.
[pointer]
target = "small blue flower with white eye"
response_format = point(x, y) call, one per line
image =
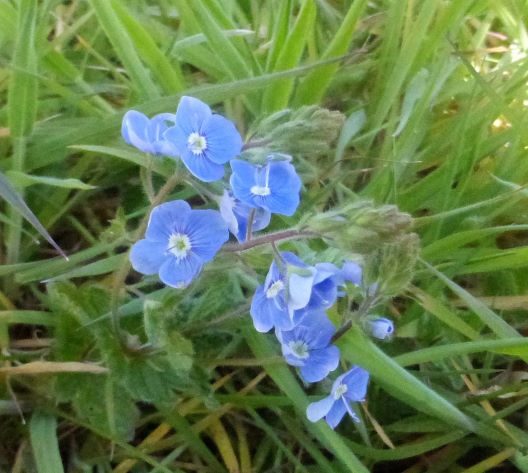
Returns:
point(287, 289)
point(274, 186)
point(204, 141)
point(178, 242)
point(236, 214)
point(381, 328)
point(308, 346)
point(147, 134)
point(349, 387)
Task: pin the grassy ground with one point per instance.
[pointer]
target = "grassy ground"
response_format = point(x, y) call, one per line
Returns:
point(435, 99)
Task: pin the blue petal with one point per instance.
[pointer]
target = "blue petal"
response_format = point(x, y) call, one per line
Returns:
point(356, 381)
point(315, 328)
point(320, 363)
point(262, 313)
point(166, 219)
point(268, 313)
point(223, 140)
point(180, 272)
point(147, 256)
point(159, 124)
point(227, 210)
point(191, 114)
point(299, 290)
point(323, 295)
point(319, 409)
point(285, 185)
point(176, 139)
point(336, 413)
point(200, 166)
point(134, 130)
point(207, 232)
point(242, 179)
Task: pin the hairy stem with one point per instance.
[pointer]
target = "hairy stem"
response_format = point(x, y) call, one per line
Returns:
point(270, 238)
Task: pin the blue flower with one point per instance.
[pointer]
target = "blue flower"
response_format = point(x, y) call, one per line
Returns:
point(205, 141)
point(351, 386)
point(274, 186)
point(381, 328)
point(308, 346)
point(178, 242)
point(287, 289)
point(236, 214)
point(147, 134)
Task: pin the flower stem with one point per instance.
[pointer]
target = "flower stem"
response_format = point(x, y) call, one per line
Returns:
point(364, 308)
point(270, 238)
point(249, 229)
point(121, 275)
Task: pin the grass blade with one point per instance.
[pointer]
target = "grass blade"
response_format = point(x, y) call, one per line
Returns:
point(43, 435)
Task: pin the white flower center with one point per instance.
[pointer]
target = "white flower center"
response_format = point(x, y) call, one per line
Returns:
point(274, 289)
point(299, 349)
point(179, 245)
point(196, 143)
point(340, 390)
point(260, 190)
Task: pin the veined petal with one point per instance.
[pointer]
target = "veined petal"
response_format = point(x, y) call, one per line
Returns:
point(356, 381)
point(320, 363)
point(180, 272)
point(200, 166)
point(336, 413)
point(207, 232)
point(319, 409)
point(191, 114)
point(166, 219)
point(148, 256)
point(223, 140)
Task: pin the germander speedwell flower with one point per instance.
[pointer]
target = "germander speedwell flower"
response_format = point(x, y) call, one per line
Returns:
point(351, 386)
point(147, 134)
point(308, 346)
point(204, 141)
point(237, 214)
point(287, 289)
point(274, 186)
point(178, 242)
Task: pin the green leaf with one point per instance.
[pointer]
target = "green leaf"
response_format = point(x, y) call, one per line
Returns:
point(277, 96)
point(414, 92)
point(313, 87)
point(21, 179)
point(499, 326)
point(124, 47)
point(44, 443)
point(8, 193)
point(22, 94)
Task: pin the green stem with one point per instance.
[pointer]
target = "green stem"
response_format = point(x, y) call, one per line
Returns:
point(123, 271)
point(249, 229)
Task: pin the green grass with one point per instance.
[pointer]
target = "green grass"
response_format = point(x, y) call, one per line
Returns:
point(434, 102)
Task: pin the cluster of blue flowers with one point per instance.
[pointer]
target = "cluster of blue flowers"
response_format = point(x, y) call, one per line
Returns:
point(179, 240)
